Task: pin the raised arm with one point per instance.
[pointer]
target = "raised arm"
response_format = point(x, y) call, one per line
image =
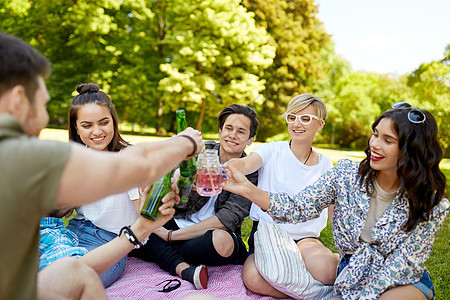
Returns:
point(91, 175)
point(237, 183)
point(246, 165)
point(306, 205)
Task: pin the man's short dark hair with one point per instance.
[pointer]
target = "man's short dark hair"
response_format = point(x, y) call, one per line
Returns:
point(242, 110)
point(20, 64)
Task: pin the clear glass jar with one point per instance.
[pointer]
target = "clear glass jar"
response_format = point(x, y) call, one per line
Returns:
point(208, 180)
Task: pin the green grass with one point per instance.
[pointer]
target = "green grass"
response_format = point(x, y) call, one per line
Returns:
point(439, 262)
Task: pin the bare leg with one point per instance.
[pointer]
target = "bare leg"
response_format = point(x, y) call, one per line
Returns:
point(404, 292)
point(69, 278)
point(223, 242)
point(255, 282)
point(320, 262)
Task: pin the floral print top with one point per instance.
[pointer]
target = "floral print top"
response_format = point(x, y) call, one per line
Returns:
point(395, 257)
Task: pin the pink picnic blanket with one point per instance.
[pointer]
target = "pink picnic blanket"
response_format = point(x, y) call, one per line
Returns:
point(140, 279)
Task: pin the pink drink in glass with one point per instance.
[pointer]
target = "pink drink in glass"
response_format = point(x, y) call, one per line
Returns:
point(208, 184)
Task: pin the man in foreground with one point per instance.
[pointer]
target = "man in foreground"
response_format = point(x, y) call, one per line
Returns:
point(37, 176)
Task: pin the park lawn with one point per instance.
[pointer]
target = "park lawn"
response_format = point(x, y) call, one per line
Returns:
point(439, 262)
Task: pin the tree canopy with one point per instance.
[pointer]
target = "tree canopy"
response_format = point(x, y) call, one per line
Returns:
point(153, 57)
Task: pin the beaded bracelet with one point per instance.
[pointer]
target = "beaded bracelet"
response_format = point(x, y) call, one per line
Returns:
point(193, 143)
point(130, 236)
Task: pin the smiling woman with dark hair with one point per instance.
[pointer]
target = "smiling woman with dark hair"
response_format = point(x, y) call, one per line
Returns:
point(417, 164)
point(90, 94)
point(93, 122)
point(388, 208)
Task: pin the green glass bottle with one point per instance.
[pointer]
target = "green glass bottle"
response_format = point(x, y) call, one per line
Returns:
point(154, 199)
point(188, 167)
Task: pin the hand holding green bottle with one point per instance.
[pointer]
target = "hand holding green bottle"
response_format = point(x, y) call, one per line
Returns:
point(154, 200)
point(163, 185)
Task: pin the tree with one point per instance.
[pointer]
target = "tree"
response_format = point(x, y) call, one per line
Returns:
point(216, 55)
point(354, 109)
point(136, 72)
point(336, 68)
point(299, 38)
point(105, 41)
point(430, 85)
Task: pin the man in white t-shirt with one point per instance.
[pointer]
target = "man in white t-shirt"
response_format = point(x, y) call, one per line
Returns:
point(289, 167)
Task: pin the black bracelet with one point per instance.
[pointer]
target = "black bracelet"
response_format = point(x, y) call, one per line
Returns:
point(169, 236)
point(130, 236)
point(193, 143)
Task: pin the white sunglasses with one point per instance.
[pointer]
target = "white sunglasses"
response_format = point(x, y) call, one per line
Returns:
point(304, 119)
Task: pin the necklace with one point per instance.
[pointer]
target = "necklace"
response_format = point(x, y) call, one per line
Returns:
point(310, 151)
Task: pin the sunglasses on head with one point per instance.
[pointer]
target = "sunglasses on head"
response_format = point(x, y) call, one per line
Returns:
point(415, 115)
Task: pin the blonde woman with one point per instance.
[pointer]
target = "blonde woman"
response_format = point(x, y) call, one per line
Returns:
point(289, 166)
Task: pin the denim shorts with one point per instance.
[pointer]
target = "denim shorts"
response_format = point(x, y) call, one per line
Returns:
point(91, 237)
point(425, 284)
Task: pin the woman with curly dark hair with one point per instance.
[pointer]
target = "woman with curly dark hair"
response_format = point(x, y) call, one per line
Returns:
point(388, 207)
point(417, 164)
